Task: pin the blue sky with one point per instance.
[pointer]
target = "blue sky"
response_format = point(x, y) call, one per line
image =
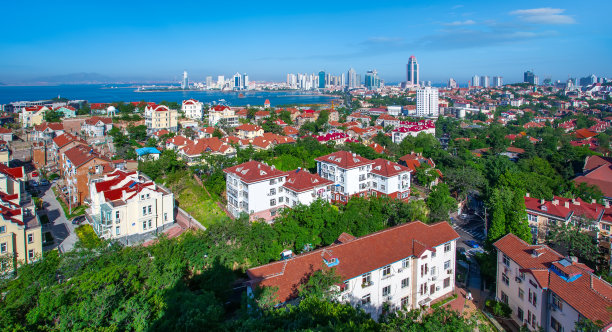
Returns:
point(151, 40)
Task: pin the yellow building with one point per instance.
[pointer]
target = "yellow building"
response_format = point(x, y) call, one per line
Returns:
point(20, 228)
point(160, 117)
point(32, 116)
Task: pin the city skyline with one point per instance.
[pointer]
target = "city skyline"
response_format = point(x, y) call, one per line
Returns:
point(140, 43)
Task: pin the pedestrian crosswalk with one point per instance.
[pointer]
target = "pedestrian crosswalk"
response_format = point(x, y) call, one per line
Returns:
point(477, 234)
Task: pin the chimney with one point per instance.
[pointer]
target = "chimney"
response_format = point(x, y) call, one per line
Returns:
point(527, 195)
point(542, 201)
point(575, 202)
point(573, 259)
point(566, 204)
point(555, 201)
point(607, 204)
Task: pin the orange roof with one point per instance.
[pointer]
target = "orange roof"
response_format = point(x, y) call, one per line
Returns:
point(584, 133)
point(301, 180)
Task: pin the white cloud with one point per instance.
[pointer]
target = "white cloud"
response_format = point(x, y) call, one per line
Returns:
point(544, 16)
point(459, 23)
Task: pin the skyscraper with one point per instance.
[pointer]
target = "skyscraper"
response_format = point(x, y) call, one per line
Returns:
point(220, 81)
point(529, 77)
point(427, 102)
point(185, 82)
point(452, 84)
point(321, 80)
point(484, 81)
point(209, 82)
point(589, 80)
point(352, 81)
point(412, 72)
point(372, 81)
point(245, 81)
point(498, 81)
point(237, 82)
point(475, 80)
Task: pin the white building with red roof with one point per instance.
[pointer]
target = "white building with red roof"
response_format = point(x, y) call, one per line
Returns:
point(32, 115)
point(412, 129)
point(128, 204)
point(46, 131)
point(97, 126)
point(390, 179)
point(546, 290)
point(160, 117)
point(349, 171)
point(193, 109)
point(249, 131)
point(410, 265)
point(302, 187)
point(222, 114)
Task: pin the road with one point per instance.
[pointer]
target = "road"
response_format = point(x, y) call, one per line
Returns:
point(59, 226)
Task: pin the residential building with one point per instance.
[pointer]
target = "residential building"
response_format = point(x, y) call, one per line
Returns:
point(31, 116)
point(193, 109)
point(193, 151)
point(79, 163)
point(452, 84)
point(255, 189)
point(406, 266)
point(427, 102)
point(530, 77)
point(352, 80)
point(302, 187)
point(160, 117)
point(349, 171)
point(222, 115)
point(546, 290)
point(498, 81)
point(484, 81)
point(407, 128)
point(249, 131)
point(46, 131)
point(60, 145)
point(475, 80)
point(6, 134)
point(597, 171)
point(390, 179)
point(128, 204)
point(97, 126)
point(67, 111)
point(412, 72)
point(372, 81)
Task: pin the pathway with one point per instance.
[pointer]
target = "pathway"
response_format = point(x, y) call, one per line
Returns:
point(60, 227)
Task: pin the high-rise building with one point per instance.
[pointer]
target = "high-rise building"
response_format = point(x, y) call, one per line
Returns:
point(220, 81)
point(589, 80)
point(352, 81)
point(237, 82)
point(245, 81)
point(321, 80)
point(372, 81)
point(475, 80)
point(209, 82)
point(185, 82)
point(530, 77)
point(427, 102)
point(498, 81)
point(484, 81)
point(292, 81)
point(412, 72)
point(452, 84)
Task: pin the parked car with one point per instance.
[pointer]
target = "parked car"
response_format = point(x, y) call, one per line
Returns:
point(44, 182)
point(78, 220)
point(472, 244)
point(33, 183)
point(34, 174)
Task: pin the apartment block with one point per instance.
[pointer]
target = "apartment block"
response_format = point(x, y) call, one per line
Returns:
point(20, 228)
point(349, 172)
point(125, 204)
point(97, 126)
point(193, 109)
point(222, 115)
point(160, 117)
point(548, 291)
point(79, 164)
point(31, 116)
point(406, 266)
point(390, 179)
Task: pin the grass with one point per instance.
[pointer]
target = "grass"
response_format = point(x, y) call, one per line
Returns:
point(77, 211)
point(443, 302)
point(87, 237)
point(195, 200)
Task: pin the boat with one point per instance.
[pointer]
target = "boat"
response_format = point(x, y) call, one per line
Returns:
point(241, 95)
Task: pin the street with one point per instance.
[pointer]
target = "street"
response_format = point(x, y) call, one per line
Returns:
point(60, 227)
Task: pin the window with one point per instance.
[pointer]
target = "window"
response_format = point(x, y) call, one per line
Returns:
point(405, 301)
point(521, 294)
point(165, 216)
point(533, 298)
point(522, 275)
point(148, 196)
point(273, 181)
point(433, 254)
point(405, 282)
point(272, 202)
point(144, 225)
point(433, 271)
point(447, 247)
point(520, 314)
point(406, 263)
point(3, 247)
point(505, 279)
point(118, 230)
point(557, 302)
point(365, 299)
point(447, 265)
point(504, 297)
point(533, 320)
point(144, 210)
point(30, 238)
point(2, 229)
point(386, 270)
point(117, 216)
point(149, 209)
point(506, 260)
point(31, 254)
point(272, 191)
point(386, 290)
point(281, 199)
point(424, 269)
point(555, 325)
point(532, 217)
point(366, 279)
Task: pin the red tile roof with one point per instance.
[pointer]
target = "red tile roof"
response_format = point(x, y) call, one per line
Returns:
point(204, 145)
point(249, 127)
point(388, 168)
point(290, 130)
point(12, 172)
point(356, 256)
point(600, 177)
point(584, 133)
point(5, 130)
point(572, 281)
point(301, 180)
point(65, 139)
point(95, 119)
point(254, 171)
point(81, 154)
point(593, 162)
point(53, 126)
point(345, 159)
point(161, 132)
point(565, 207)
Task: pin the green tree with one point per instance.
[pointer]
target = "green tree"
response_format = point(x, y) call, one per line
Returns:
point(440, 202)
point(53, 116)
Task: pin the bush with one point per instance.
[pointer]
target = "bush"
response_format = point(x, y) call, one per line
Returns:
point(88, 237)
point(53, 177)
point(499, 309)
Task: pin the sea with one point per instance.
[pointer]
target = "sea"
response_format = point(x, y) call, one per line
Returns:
point(95, 93)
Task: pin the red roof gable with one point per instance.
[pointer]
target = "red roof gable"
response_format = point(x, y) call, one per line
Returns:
point(387, 168)
point(301, 180)
point(254, 171)
point(345, 159)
